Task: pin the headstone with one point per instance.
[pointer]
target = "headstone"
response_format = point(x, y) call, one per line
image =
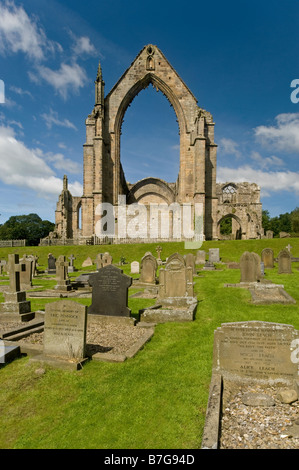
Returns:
point(284, 262)
point(34, 264)
point(135, 267)
point(51, 264)
point(190, 262)
point(249, 267)
point(65, 330)
point(262, 268)
point(106, 259)
point(268, 258)
point(110, 292)
point(148, 269)
point(26, 272)
point(99, 261)
point(269, 234)
point(159, 250)
point(256, 351)
point(87, 262)
point(176, 280)
point(2, 266)
point(284, 235)
point(71, 267)
point(63, 282)
point(200, 257)
point(214, 255)
point(209, 266)
point(289, 247)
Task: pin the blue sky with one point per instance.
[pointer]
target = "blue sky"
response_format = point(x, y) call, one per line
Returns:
point(238, 58)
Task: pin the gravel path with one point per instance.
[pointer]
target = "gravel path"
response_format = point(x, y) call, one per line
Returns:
point(258, 427)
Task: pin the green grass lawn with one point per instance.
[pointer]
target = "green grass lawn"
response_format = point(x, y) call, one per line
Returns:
point(158, 399)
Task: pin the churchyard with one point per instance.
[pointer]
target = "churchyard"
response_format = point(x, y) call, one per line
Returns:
point(150, 390)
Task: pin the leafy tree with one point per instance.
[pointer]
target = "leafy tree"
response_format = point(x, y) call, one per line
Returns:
point(226, 226)
point(295, 220)
point(29, 227)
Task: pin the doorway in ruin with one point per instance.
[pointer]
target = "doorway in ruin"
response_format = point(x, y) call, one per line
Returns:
point(229, 228)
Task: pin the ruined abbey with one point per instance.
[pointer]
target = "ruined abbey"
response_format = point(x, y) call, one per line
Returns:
point(104, 180)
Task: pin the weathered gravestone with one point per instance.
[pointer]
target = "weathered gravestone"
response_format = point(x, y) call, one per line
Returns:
point(256, 351)
point(214, 255)
point(64, 334)
point(284, 262)
point(135, 267)
point(71, 267)
point(268, 258)
point(269, 234)
point(51, 264)
point(63, 282)
point(87, 262)
point(110, 292)
point(200, 257)
point(106, 259)
point(159, 251)
point(190, 262)
point(26, 272)
point(148, 269)
point(15, 304)
point(250, 267)
point(99, 261)
point(176, 280)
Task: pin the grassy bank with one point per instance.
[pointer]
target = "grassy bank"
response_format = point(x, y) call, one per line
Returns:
point(157, 400)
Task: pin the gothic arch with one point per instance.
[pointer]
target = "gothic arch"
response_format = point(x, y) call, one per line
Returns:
point(151, 186)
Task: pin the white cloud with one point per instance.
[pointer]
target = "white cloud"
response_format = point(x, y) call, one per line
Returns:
point(61, 163)
point(20, 92)
point(68, 77)
point(83, 46)
point(266, 162)
point(271, 181)
point(284, 136)
point(230, 147)
point(27, 168)
point(52, 118)
point(19, 33)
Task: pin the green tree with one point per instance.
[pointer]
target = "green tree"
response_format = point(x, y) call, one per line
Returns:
point(29, 227)
point(295, 220)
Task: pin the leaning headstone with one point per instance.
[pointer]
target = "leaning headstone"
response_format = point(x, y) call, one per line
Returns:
point(63, 282)
point(135, 267)
point(176, 280)
point(51, 264)
point(87, 262)
point(200, 257)
point(148, 269)
point(214, 255)
point(190, 262)
point(64, 334)
point(284, 262)
point(256, 351)
point(268, 258)
point(110, 292)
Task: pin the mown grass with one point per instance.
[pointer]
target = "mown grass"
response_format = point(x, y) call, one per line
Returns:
point(157, 400)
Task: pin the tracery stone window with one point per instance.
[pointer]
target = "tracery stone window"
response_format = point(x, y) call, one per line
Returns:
point(228, 193)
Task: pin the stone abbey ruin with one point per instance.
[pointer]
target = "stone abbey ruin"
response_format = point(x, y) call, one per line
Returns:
point(104, 179)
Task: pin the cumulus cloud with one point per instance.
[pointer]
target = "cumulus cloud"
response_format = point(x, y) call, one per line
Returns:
point(283, 136)
point(83, 46)
point(51, 118)
point(67, 78)
point(266, 162)
point(230, 147)
point(27, 168)
point(19, 33)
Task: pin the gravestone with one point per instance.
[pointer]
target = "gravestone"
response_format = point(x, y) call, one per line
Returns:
point(256, 351)
point(106, 259)
point(26, 272)
point(159, 250)
point(268, 258)
point(135, 267)
point(71, 267)
point(269, 234)
point(3, 266)
point(200, 257)
point(34, 260)
point(15, 304)
point(99, 261)
point(87, 262)
point(249, 267)
point(148, 269)
point(176, 280)
point(190, 262)
point(63, 282)
point(284, 262)
point(51, 264)
point(110, 292)
point(214, 255)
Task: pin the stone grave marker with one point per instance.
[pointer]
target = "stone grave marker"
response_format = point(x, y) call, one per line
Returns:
point(190, 262)
point(106, 259)
point(87, 262)
point(214, 255)
point(26, 272)
point(135, 267)
point(200, 257)
point(269, 234)
point(110, 292)
point(176, 280)
point(256, 351)
point(99, 261)
point(159, 251)
point(249, 267)
point(51, 264)
point(148, 269)
point(284, 262)
point(63, 282)
point(65, 331)
point(268, 258)
point(71, 267)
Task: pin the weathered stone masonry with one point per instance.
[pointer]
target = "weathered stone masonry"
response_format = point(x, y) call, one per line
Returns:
point(104, 179)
